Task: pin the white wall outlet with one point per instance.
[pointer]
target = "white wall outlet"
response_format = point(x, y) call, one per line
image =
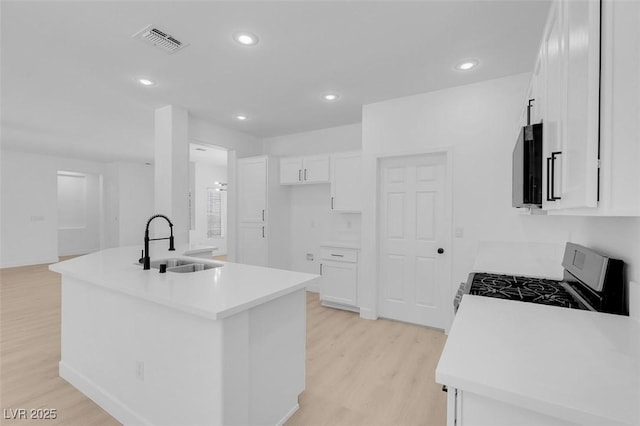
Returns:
point(310, 257)
point(459, 232)
point(140, 370)
point(348, 224)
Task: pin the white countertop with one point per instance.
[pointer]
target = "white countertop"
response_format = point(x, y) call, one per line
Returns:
point(341, 244)
point(214, 293)
point(576, 365)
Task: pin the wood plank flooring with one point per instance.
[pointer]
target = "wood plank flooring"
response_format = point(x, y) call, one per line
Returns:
point(359, 372)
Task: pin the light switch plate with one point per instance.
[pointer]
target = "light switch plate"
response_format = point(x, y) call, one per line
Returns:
point(310, 257)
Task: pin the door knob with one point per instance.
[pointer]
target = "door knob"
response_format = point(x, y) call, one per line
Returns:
point(440, 250)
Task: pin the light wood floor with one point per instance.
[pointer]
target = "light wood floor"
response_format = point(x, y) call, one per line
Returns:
point(359, 372)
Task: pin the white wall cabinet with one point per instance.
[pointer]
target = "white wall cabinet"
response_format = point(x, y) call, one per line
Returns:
point(339, 277)
point(619, 193)
point(304, 170)
point(346, 182)
point(262, 235)
point(568, 88)
point(585, 87)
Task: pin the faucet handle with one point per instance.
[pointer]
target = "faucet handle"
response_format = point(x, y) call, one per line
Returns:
point(141, 260)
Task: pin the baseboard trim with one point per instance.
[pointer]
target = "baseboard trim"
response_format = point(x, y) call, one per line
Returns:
point(20, 263)
point(288, 415)
point(335, 305)
point(366, 313)
point(104, 399)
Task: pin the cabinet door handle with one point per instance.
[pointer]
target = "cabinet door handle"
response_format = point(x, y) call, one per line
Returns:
point(553, 175)
point(549, 179)
point(305, 174)
point(331, 203)
point(337, 255)
point(263, 215)
point(299, 175)
point(321, 269)
point(263, 232)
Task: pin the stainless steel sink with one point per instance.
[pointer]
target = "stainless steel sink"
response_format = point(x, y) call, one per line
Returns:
point(182, 266)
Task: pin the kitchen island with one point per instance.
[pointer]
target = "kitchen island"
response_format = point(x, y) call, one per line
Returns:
point(511, 363)
point(224, 345)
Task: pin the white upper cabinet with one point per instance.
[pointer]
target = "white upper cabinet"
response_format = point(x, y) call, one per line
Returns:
point(290, 170)
point(315, 169)
point(346, 182)
point(586, 88)
point(304, 170)
point(580, 142)
point(569, 81)
point(252, 187)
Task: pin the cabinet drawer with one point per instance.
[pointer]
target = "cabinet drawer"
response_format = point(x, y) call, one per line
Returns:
point(339, 254)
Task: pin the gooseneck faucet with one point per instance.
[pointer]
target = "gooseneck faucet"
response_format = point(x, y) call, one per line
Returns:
point(146, 259)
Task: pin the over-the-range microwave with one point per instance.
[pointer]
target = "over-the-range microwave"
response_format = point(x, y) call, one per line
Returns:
point(527, 167)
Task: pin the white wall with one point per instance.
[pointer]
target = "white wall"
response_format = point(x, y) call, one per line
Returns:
point(129, 196)
point(205, 175)
point(29, 217)
point(332, 139)
point(479, 123)
point(311, 218)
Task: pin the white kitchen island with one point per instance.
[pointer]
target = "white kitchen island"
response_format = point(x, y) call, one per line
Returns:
point(510, 363)
point(219, 346)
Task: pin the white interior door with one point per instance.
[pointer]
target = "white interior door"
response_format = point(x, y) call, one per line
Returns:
point(414, 277)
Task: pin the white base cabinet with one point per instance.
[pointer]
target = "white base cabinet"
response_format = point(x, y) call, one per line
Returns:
point(470, 409)
point(339, 277)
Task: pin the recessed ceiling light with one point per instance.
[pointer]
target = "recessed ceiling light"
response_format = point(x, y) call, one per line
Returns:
point(467, 64)
point(331, 97)
point(241, 117)
point(146, 82)
point(246, 38)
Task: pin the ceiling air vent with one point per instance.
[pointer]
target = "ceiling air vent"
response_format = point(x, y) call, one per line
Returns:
point(160, 39)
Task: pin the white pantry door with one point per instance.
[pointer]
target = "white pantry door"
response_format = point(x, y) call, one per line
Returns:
point(413, 227)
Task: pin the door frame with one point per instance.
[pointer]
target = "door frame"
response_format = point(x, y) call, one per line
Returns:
point(446, 293)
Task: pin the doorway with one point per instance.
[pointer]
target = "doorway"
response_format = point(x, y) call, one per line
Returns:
point(208, 197)
point(79, 212)
point(414, 236)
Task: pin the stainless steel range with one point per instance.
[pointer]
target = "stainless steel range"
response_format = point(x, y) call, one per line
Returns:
point(591, 281)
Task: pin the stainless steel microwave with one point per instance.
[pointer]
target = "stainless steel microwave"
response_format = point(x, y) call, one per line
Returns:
point(527, 168)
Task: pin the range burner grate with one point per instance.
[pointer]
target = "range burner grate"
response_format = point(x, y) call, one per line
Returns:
point(525, 289)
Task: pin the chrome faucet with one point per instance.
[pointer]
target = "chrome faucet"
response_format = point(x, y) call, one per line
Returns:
point(146, 260)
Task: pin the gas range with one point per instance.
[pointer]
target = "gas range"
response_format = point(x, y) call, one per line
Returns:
point(524, 289)
point(591, 282)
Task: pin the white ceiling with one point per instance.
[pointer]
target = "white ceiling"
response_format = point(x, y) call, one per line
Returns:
point(199, 153)
point(68, 67)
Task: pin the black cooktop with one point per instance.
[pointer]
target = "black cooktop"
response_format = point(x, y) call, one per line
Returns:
point(525, 289)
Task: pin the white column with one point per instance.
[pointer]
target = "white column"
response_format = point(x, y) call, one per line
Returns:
point(172, 169)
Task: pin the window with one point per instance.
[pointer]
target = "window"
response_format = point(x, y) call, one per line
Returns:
point(215, 199)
